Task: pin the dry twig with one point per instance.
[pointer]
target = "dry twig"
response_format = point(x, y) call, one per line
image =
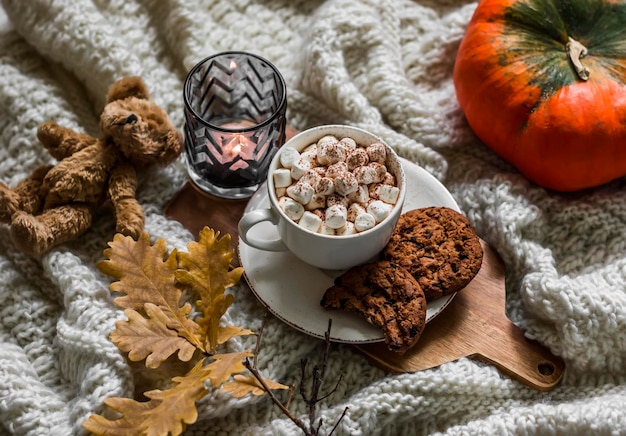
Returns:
point(313, 398)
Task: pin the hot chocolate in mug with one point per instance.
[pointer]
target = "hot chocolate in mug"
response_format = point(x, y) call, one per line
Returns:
point(327, 251)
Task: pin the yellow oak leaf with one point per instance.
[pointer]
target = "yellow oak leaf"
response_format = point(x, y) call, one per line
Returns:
point(231, 331)
point(142, 270)
point(167, 412)
point(225, 365)
point(210, 320)
point(130, 424)
point(243, 385)
point(146, 275)
point(149, 338)
point(205, 268)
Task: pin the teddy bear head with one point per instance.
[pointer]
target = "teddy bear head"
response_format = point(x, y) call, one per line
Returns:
point(139, 128)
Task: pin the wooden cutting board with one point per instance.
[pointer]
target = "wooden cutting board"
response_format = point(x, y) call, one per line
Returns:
point(473, 325)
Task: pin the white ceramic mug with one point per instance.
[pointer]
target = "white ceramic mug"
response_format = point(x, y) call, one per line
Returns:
point(334, 252)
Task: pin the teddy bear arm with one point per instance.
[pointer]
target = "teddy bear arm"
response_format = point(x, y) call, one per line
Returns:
point(62, 142)
point(129, 215)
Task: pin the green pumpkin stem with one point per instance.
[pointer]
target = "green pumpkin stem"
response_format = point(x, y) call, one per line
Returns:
point(576, 52)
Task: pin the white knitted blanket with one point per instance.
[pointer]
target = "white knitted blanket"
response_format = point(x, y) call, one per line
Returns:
point(384, 65)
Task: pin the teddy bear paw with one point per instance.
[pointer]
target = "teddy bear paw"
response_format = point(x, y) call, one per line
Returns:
point(50, 133)
point(130, 219)
point(9, 203)
point(29, 234)
point(131, 227)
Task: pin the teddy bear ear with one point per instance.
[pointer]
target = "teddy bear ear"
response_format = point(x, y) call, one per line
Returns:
point(131, 86)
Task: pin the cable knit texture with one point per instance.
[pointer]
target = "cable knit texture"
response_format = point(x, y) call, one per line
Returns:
point(383, 65)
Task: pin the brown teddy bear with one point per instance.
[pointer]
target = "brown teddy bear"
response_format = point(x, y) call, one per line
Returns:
point(55, 204)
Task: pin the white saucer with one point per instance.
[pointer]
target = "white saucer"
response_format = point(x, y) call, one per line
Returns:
point(291, 289)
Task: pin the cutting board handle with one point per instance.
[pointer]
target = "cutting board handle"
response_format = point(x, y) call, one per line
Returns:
point(525, 360)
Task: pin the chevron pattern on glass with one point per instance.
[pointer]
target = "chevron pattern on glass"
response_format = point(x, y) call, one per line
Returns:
point(235, 105)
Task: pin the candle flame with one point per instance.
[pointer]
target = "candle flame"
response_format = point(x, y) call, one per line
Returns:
point(237, 146)
point(232, 65)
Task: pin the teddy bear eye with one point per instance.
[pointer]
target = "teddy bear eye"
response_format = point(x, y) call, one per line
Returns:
point(132, 118)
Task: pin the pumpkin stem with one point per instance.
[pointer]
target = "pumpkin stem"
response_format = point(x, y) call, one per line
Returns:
point(576, 52)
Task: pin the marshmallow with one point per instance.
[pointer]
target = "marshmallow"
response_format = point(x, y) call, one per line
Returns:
point(281, 192)
point(373, 172)
point(325, 186)
point(377, 152)
point(336, 169)
point(365, 175)
point(346, 183)
point(388, 194)
point(361, 195)
point(299, 167)
point(282, 177)
point(330, 153)
point(317, 202)
point(328, 139)
point(321, 170)
point(310, 221)
point(323, 146)
point(357, 158)
point(311, 177)
point(311, 156)
point(348, 143)
point(336, 216)
point(348, 229)
point(379, 210)
point(354, 210)
point(291, 207)
point(389, 179)
point(381, 170)
point(312, 148)
point(288, 155)
point(364, 222)
point(373, 190)
point(321, 213)
point(301, 192)
point(334, 199)
point(325, 230)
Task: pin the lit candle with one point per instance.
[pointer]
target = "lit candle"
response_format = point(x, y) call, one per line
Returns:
point(232, 129)
point(237, 147)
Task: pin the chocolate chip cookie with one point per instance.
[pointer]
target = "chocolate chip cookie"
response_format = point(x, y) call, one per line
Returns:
point(387, 296)
point(438, 246)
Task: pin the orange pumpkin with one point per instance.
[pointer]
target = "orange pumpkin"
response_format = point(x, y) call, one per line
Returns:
point(543, 83)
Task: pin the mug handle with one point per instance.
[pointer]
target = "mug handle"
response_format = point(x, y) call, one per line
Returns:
point(251, 219)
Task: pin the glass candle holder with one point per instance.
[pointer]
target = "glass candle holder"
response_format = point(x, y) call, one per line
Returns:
point(235, 120)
